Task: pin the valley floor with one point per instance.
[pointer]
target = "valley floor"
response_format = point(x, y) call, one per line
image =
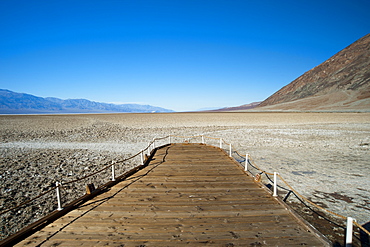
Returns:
point(324, 156)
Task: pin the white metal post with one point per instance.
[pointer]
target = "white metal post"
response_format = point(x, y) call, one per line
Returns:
point(221, 143)
point(58, 197)
point(246, 162)
point(169, 139)
point(202, 139)
point(154, 143)
point(113, 173)
point(275, 184)
point(230, 149)
point(142, 157)
point(349, 231)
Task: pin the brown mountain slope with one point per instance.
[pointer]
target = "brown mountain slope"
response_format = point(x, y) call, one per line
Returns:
point(340, 83)
point(238, 108)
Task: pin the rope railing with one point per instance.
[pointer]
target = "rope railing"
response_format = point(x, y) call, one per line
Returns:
point(227, 147)
point(310, 202)
point(66, 191)
point(28, 201)
point(248, 162)
point(106, 166)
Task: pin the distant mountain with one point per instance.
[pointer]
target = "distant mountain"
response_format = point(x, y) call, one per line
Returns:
point(341, 83)
point(21, 103)
point(238, 108)
point(208, 108)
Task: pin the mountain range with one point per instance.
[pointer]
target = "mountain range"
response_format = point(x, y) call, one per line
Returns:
point(22, 103)
point(238, 108)
point(341, 83)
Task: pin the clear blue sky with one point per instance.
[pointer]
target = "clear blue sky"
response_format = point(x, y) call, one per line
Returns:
point(182, 55)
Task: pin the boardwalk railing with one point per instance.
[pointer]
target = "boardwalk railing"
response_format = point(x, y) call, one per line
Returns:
point(65, 192)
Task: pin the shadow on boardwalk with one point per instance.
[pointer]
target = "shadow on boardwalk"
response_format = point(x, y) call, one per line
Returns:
point(188, 194)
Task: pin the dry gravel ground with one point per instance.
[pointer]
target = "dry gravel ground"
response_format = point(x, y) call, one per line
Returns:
point(324, 156)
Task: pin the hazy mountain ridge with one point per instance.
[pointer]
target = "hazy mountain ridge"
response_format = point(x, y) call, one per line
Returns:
point(341, 82)
point(238, 108)
point(22, 103)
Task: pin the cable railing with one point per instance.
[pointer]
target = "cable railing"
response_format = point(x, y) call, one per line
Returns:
point(348, 224)
point(66, 191)
point(13, 218)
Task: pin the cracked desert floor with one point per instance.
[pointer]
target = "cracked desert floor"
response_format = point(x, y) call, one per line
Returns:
point(324, 156)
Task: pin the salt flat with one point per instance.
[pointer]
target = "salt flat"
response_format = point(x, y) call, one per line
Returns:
point(324, 156)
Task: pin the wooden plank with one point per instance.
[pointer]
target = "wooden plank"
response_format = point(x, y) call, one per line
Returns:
point(156, 228)
point(243, 222)
point(189, 194)
point(173, 242)
point(288, 233)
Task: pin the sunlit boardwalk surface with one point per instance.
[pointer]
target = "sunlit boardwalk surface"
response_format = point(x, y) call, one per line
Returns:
point(189, 194)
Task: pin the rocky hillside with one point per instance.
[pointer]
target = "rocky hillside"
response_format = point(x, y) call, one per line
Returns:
point(340, 83)
point(238, 108)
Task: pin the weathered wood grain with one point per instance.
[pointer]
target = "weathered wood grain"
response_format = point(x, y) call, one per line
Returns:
point(190, 194)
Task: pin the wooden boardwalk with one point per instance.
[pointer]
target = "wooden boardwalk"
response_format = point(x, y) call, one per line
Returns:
point(189, 194)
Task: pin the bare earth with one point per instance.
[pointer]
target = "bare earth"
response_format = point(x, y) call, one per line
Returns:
point(324, 156)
